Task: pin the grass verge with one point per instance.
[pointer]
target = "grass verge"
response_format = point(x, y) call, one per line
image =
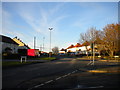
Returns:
point(6, 64)
point(44, 58)
point(15, 63)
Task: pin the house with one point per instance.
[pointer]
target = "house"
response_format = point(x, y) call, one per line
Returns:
point(81, 48)
point(62, 51)
point(21, 44)
point(8, 45)
point(71, 48)
point(84, 48)
point(78, 47)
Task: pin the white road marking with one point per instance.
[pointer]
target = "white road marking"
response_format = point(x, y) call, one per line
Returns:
point(97, 87)
point(65, 76)
point(58, 78)
point(68, 73)
point(49, 81)
point(38, 85)
point(55, 79)
point(76, 70)
point(73, 72)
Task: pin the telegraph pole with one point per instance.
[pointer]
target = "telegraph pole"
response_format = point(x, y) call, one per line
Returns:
point(34, 42)
point(93, 54)
point(43, 43)
point(50, 29)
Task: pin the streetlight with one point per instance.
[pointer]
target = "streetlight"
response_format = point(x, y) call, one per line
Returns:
point(50, 29)
point(43, 43)
point(93, 53)
point(93, 49)
point(34, 42)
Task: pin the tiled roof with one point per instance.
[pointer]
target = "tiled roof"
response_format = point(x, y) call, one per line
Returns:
point(7, 40)
point(20, 43)
point(70, 46)
point(78, 45)
point(62, 49)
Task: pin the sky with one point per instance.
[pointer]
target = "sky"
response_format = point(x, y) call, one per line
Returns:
point(27, 20)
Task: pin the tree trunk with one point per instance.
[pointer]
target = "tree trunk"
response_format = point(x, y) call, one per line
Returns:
point(112, 54)
point(99, 53)
point(86, 50)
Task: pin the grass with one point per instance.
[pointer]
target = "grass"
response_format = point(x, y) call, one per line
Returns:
point(15, 63)
point(44, 58)
point(48, 58)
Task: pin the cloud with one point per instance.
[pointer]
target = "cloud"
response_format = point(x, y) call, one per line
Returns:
point(9, 28)
point(36, 23)
point(44, 19)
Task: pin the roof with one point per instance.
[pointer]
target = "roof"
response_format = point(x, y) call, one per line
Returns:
point(20, 43)
point(7, 40)
point(71, 46)
point(27, 46)
point(78, 45)
point(62, 49)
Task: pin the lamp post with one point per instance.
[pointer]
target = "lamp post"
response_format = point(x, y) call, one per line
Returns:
point(43, 43)
point(93, 49)
point(50, 29)
point(34, 42)
point(93, 54)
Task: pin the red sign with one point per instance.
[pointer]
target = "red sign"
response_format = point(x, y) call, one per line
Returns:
point(31, 52)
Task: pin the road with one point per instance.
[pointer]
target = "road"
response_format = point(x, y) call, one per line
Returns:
point(64, 73)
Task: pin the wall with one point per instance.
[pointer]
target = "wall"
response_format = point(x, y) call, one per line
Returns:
point(14, 47)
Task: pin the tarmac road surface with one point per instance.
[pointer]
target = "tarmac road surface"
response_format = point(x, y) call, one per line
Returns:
point(65, 73)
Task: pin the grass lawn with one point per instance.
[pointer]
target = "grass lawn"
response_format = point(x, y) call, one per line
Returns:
point(44, 58)
point(15, 63)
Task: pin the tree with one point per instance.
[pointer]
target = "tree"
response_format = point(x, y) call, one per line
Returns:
point(55, 50)
point(88, 37)
point(111, 38)
point(107, 40)
point(99, 41)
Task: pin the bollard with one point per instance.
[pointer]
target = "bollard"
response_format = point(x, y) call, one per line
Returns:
point(23, 57)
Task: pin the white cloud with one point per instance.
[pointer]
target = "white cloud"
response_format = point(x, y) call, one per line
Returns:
point(41, 25)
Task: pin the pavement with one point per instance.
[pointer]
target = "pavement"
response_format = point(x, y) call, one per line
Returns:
point(65, 73)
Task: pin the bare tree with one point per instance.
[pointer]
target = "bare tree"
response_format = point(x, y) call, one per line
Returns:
point(99, 41)
point(88, 37)
point(92, 33)
point(55, 50)
point(83, 37)
point(111, 38)
point(84, 40)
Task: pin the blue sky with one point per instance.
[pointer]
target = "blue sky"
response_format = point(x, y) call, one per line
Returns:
point(68, 19)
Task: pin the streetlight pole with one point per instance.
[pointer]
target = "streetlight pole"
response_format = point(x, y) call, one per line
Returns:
point(93, 55)
point(50, 29)
point(43, 43)
point(34, 42)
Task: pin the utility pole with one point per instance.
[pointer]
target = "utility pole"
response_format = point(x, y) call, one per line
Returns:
point(50, 29)
point(40, 47)
point(43, 43)
point(34, 42)
point(93, 54)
